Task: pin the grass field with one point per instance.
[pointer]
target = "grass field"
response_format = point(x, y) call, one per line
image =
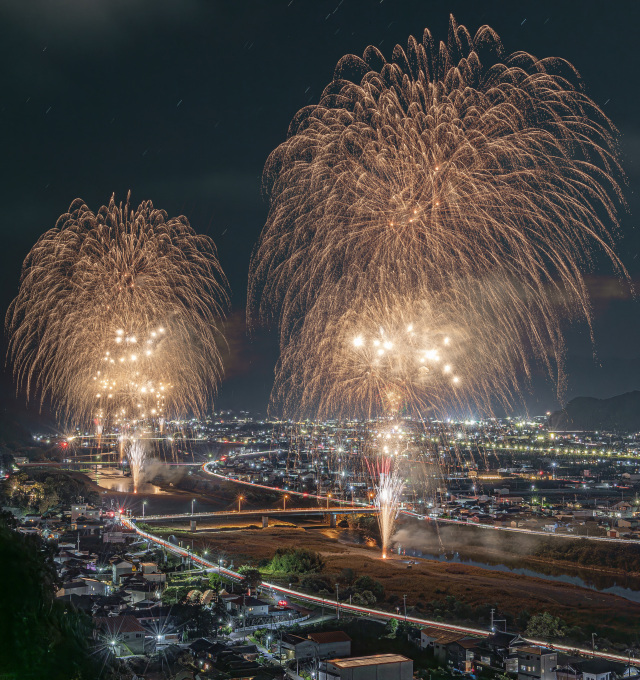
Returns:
point(611, 616)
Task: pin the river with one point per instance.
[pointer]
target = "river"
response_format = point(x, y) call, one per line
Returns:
point(622, 585)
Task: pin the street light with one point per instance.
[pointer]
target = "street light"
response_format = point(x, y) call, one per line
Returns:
point(337, 602)
point(328, 497)
point(285, 501)
point(143, 504)
point(240, 499)
point(192, 502)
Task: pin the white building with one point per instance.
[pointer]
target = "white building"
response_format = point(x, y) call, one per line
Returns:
point(376, 667)
point(84, 510)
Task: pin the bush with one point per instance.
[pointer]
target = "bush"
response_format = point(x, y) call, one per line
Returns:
point(545, 626)
point(367, 583)
point(296, 561)
point(348, 576)
point(365, 598)
point(253, 577)
point(589, 553)
point(315, 583)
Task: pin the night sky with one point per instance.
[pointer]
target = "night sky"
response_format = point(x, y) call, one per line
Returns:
point(181, 102)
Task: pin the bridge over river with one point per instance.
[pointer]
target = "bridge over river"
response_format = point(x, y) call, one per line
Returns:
point(264, 513)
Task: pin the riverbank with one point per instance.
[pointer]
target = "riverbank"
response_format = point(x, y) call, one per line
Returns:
point(552, 555)
point(426, 582)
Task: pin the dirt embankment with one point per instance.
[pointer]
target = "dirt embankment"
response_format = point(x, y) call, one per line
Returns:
point(431, 580)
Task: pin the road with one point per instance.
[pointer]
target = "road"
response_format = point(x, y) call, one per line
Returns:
point(303, 494)
point(427, 518)
point(251, 513)
point(354, 609)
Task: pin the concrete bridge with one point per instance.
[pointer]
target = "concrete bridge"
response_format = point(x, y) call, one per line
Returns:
point(330, 513)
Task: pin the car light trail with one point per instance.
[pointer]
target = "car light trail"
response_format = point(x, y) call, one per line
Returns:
point(365, 611)
point(427, 518)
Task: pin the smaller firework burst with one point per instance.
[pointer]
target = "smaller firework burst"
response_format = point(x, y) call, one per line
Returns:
point(388, 493)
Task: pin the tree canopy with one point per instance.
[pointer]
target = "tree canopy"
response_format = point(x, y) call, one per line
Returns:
point(296, 561)
point(41, 637)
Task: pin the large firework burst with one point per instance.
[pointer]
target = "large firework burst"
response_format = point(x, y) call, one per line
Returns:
point(452, 173)
point(117, 317)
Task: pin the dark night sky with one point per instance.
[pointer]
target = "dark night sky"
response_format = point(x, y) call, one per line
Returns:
point(181, 101)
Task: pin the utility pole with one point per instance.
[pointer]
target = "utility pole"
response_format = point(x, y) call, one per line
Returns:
point(337, 602)
point(404, 597)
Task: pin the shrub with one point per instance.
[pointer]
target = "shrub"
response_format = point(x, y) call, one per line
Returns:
point(296, 561)
point(545, 626)
point(367, 583)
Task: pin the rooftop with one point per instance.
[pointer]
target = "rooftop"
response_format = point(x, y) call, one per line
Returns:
point(535, 650)
point(374, 660)
point(447, 637)
point(329, 636)
point(119, 624)
point(249, 601)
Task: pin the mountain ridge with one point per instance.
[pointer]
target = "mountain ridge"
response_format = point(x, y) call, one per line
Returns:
point(620, 414)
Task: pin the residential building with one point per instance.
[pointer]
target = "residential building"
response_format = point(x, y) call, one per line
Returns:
point(460, 654)
point(150, 572)
point(587, 669)
point(123, 634)
point(536, 663)
point(248, 606)
point(298, 648)
point(331, 644)
point(84, 510)
point(441, 645)
point(376, 667)
point(428, 637)
point(120, 569)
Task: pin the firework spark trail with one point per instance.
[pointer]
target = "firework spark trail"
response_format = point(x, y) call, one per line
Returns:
point(375, 359)
point(136, 453)
point(455, 175)
point(388, 494)
point(383, 446)
point(117, 318)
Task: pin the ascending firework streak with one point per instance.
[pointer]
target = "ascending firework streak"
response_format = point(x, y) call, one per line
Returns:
point(388, 494)
point(118, 318)
point(455, 181)
point(136, 453)
point(383, 464)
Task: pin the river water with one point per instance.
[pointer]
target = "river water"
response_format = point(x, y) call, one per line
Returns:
point(624, 586)
point(422, 545)
point(627, 587)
